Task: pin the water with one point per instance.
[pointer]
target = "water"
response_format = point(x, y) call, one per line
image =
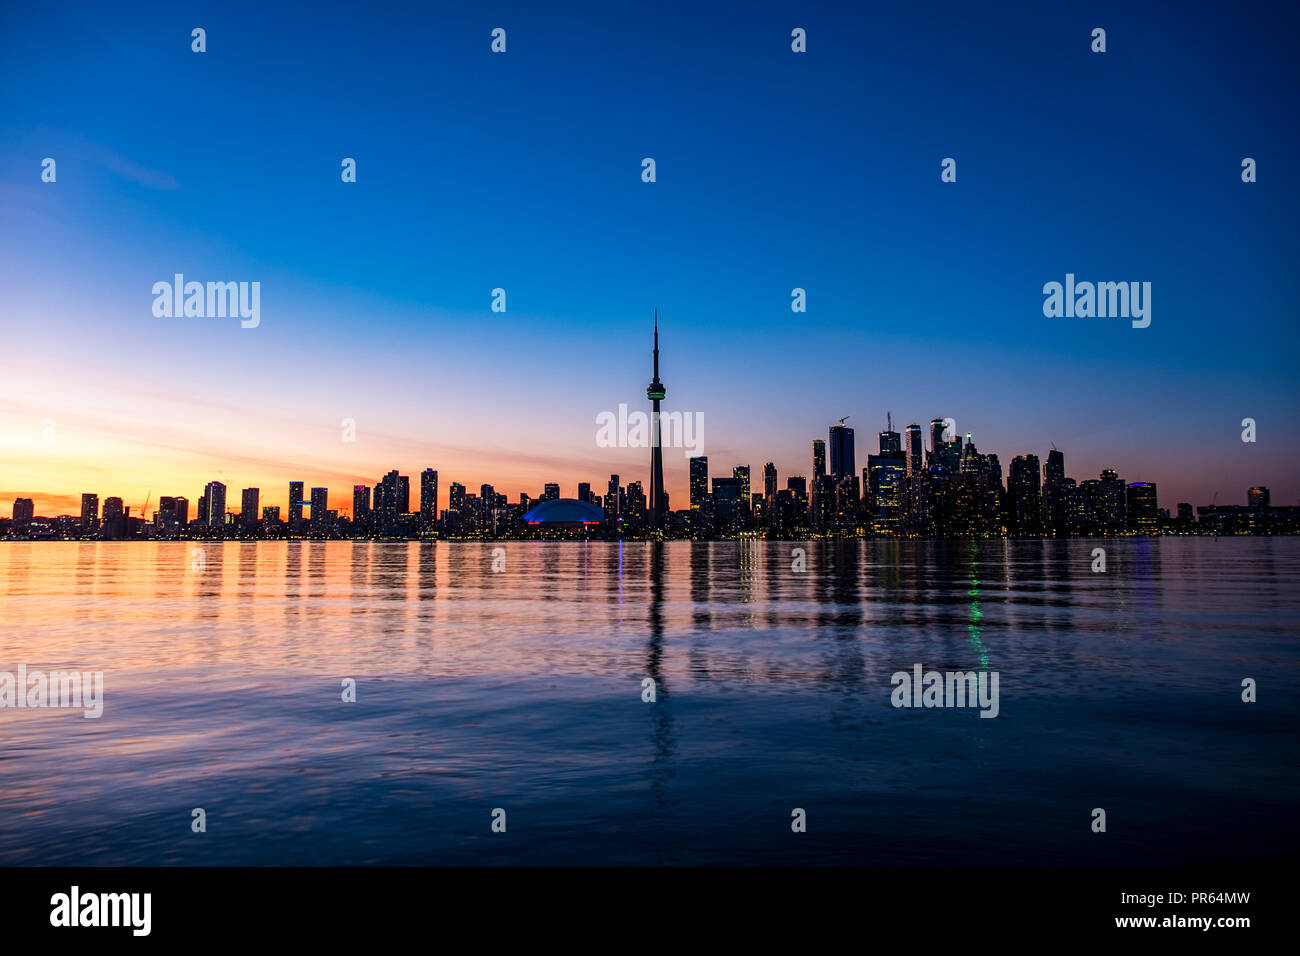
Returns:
point(523, 690)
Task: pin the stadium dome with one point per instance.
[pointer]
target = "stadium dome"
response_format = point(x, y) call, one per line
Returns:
point(564, 511)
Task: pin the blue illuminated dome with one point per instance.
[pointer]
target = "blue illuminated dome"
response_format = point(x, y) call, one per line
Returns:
point(565, 511)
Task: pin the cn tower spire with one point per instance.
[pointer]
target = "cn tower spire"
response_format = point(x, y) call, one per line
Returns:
point(656, 392)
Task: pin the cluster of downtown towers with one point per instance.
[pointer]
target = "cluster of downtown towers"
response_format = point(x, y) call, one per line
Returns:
point(946, 490)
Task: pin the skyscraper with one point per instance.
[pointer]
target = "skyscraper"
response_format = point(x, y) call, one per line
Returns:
point(741, 474)
point(90, 513)
point(1257, 497)
point(248, 507)
point(769, 490)
point(360, 503)
point(656, 392)
point(215, 494)
point(842, 463)
point(699, 481)
point(915, 450)
point(319, 496)
point(428, 497)
point(295, 505)
point(819, 459)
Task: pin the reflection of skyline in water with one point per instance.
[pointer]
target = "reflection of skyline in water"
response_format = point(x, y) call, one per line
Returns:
point(523, 687)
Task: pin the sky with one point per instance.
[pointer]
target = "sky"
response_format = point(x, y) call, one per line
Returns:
point(522, 171)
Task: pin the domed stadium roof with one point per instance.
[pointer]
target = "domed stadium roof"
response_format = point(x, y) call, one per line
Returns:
point(562, 511)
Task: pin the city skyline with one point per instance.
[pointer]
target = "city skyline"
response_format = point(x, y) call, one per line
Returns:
point(923, 297)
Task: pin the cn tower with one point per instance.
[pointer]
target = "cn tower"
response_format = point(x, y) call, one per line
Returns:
point(655, 391)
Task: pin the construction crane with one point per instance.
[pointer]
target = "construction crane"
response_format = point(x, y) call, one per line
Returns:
point(144, 512)
point(845, 419)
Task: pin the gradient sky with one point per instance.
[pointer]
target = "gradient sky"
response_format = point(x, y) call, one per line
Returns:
point(522, 171)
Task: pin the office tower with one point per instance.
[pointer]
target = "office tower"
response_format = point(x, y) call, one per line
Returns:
point(202, 513)
point(215, 495)
point(550, 491)
point(271, 515)
point(182, 511)
point(819, 459)
point(1257, 497)
point(403, 495)
point(938, 429)
point(90, 512)
point(360, 503)
point(1056, 517)
point(1143, 510)
point(890, 442)
point(113, 524)
point(915, 450)
point(319, 497)
point(1024, 492)
point(295, 505)
point(1054, 468)
point(428, 498)
point(741, 474)
point(25, 509)
point(699, 481)
point(769, 490)
point(165, 519)
point(656, 392)
point(797, 486)
point(584, 491)
point(842, 461)
point(613, 499)
point(248, 507)
point(726, 503)
point(456, 496)
point(1113, 502)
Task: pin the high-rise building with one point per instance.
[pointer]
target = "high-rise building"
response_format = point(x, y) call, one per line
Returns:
point(248, 507)
point(656, 392)
point(89, 513)
point(769, 490)
point(584, 491)
point(550, 491)
point(182, 511)
point(819, 459)
point(1143, 510)
point(1112, 505)
point(938, 439)
point(215, 495)
point(295, 505)
point(271, 515)
point(319, 499)
point(1024, 493)
point(1257, 497)
point(428, 498)
point(915, 450)
point(699, 481)
point(842, 458)
point(741, 474)
point(360, 503)
point(25, 509)
point(890, 442)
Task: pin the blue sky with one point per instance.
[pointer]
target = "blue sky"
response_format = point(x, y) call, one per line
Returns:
point(775, 170)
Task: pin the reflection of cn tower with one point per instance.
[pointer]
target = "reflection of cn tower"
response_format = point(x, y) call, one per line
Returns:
point(655, 391)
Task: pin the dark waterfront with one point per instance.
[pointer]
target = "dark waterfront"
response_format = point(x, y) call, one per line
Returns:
point(521, 689)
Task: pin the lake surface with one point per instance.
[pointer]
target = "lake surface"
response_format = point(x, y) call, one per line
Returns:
point(521, 689)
